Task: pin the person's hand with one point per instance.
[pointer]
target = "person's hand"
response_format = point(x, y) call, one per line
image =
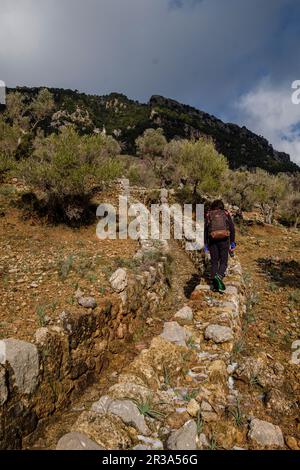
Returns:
point(233, 246)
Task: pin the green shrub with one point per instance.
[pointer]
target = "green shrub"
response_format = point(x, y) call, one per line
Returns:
point(66, 168)
point(201, 165)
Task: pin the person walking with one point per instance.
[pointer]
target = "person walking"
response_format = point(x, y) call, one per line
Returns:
point(219, 238)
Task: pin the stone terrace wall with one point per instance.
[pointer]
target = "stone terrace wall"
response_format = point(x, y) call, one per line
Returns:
point(42, 378)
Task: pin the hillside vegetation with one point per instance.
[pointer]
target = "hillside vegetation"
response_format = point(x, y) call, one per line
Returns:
point(127, 119)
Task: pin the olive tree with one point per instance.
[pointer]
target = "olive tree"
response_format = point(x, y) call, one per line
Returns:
point(289, 209)
point(201, 165)
point(25, 115)
point(9, 138)
point(150, 146)
point(66, 168)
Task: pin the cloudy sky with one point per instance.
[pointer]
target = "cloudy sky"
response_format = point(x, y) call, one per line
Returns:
point(236, 59)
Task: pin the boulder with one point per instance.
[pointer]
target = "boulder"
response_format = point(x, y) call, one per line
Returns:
point(193, 408)
point(174, 333)
point(218, 333)
point(77, 441)
point(186, 313)
point(24, 361)
point(118, 280)
point(232, 290)
point(108, 431)
point(125, 409)
point(87, 302)
point(185, 438)
point(150, 443)
point(265, 434)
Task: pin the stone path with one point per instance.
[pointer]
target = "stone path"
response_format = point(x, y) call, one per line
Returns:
point(175, 394)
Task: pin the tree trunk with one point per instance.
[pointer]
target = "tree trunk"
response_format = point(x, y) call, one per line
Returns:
point(195, 187)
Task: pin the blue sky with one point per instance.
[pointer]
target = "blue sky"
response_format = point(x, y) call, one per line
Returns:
point(232, 58)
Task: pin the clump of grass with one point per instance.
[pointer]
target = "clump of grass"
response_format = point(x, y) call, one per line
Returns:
point(213, 444)
point(41, 314)
point(238, 347)
point(250, 317)
point(252, 300)
point(254, 381)
point(91, 278)
point(244, 229)
point(65, 267)
point(168, 267)
point(139, 333)
point(146, 409)
point(191, 343)
point(273, 286)
point(287, 339)
point(237, 414)
point(200, 423)
point(294, 298)
point(127, 263)
point(167, 379)
point(190, 395)
point(272, 333)
point(247, 278)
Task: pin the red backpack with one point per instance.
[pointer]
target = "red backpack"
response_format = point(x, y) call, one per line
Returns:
point(218, 225)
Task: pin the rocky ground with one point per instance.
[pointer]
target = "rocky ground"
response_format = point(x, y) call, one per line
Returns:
point(270, 378)
point(208, 372)
point(42, 266)
point(207, 381)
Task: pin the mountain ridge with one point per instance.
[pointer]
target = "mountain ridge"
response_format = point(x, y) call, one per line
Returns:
point(127, 119)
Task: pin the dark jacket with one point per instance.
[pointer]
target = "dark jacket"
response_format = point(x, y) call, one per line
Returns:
point(207, 239)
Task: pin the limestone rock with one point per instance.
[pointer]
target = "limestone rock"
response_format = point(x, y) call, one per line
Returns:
point(231, 290)
point(23, 359)
point(218, 333)
point(186, 313)
point(119, 280)
point(265, 434)
point(77, 441)
point(125, 409)
point(87, 302)
point(108, 431)
point(41, 335)
point(193, 408)
point(292, 443)
point(218, 372)
point(207, 412)
point(130, 390)
point(175, 333)
point(185, 438)
point(151, 443)
point(203, 441)
point(177, 420)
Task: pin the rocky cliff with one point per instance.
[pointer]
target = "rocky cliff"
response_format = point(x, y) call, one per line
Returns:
point(127, 119)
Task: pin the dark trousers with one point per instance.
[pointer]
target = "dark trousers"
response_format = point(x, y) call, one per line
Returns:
point(219, 251)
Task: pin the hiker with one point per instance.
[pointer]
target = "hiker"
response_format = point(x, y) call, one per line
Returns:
point(219, 238)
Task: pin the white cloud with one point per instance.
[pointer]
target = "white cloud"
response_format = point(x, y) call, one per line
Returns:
point(268, 110)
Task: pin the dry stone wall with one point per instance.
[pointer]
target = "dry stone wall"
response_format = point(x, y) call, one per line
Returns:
point(41, 378)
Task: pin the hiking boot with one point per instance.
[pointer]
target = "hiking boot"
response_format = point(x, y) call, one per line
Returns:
point(221, 285)
point(218, 284)
point(214, 285)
